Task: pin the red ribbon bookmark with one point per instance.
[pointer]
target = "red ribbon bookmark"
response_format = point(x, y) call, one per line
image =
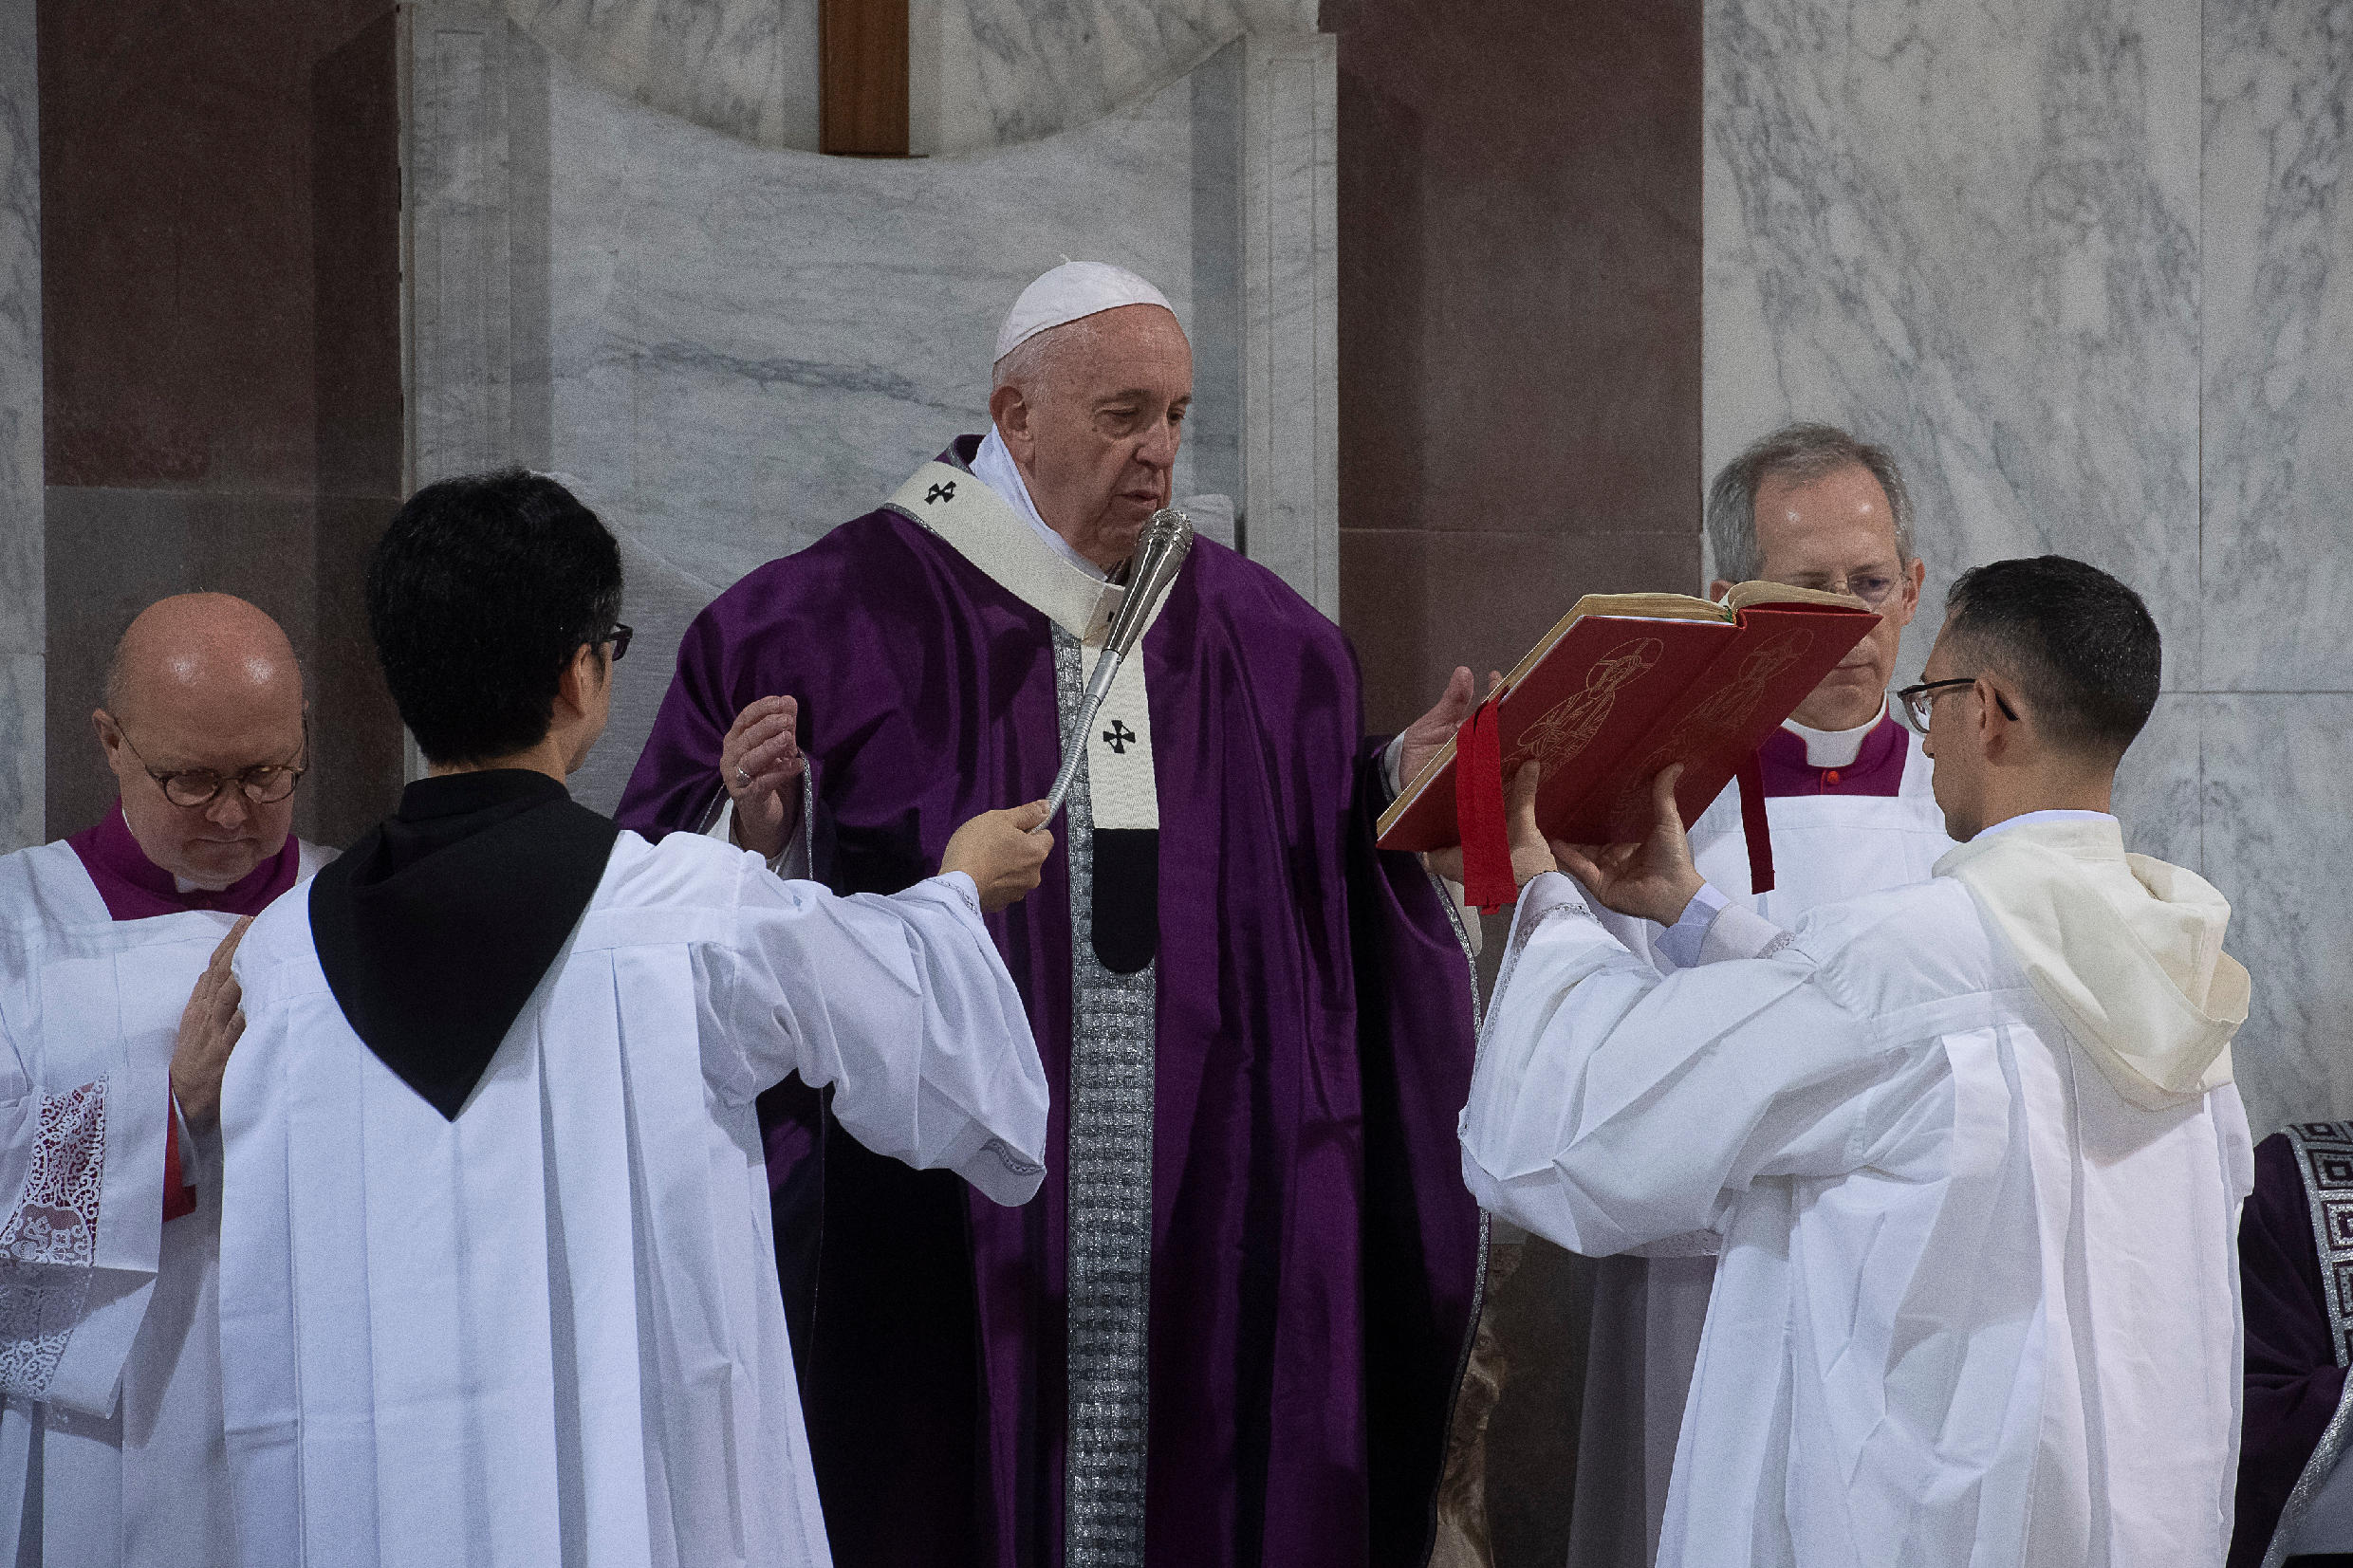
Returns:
point(1487, 880)
point(1753, 826)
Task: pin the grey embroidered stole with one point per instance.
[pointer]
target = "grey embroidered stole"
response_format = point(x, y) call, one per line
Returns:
point(1110, 1206)
point(2324, 1153)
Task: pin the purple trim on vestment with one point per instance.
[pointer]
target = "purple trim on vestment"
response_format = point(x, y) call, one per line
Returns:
point(1314, 1250)
point(2293, 1381)
point(136, 888)
point(1877, 769)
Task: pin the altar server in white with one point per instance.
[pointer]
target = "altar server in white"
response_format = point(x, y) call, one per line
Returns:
point(498, 1284)
point(1848, 799)
point(1971, 1145)
point(117, 1011)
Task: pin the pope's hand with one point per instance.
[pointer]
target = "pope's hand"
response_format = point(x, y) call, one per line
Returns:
point(1002, 851)
point(761, 761)
point(1654, 879)
point(1426, 734)
point(208, 1027)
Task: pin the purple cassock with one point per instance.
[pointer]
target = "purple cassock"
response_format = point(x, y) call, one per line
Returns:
point(135, 888)
point(1314, 1259)
point(2299, 1331)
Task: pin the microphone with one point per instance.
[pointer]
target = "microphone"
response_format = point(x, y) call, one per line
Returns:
point(1167, 540)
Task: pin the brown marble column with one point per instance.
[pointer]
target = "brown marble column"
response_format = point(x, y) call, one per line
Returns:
point(1519, 322)
point(220, 290)
point(1519, 425)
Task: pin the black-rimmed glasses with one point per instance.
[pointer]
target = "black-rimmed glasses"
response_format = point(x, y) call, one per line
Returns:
point(622, 632)
point(1917, 704)
point(192, 788)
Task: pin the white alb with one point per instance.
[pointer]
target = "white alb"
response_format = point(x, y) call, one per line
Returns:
point(549, 1331)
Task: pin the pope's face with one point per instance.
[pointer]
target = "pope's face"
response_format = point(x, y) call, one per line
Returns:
point(225, 732)
point(1098, 440)
point(1837, 532)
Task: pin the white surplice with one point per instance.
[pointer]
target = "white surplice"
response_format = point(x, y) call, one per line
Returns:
point(110, 1436)
point(547, 1332)
point(1977, 1297)
point(1649, 1308)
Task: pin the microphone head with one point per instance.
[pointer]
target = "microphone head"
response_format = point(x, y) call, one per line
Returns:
point(1159, 555)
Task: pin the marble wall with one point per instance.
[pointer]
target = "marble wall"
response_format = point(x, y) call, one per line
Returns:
point(2074, 263)
point(2274, 712)
point(982, 73)
point(733, 347)
point(22, 617)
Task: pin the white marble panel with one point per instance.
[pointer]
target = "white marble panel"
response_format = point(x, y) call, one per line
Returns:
point(458, 239)
point(2160, 787)
point(2279, 843)
point(1010, 71)
point(1969, 232)
point(2278, 304)
point(747, 67)
point(24, 750)
point(982, 73)
point(22, 617)
point(1291, 509)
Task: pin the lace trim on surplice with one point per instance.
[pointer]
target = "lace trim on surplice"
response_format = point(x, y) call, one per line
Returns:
point(50, 1239)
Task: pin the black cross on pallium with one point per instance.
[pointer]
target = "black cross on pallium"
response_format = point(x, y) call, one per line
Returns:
point(938, 493)
point(1117, 738)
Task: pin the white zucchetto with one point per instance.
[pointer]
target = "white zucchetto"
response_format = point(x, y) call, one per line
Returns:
point(1074, 290)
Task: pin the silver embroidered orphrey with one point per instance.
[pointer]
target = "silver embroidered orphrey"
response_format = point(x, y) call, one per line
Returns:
point(2324, 1156)
point(1110, 1206)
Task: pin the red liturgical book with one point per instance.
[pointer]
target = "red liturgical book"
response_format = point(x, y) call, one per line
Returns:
point(1629, 683)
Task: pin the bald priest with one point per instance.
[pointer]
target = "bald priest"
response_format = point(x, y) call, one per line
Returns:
point(1229, 1330)
point(117, 1013)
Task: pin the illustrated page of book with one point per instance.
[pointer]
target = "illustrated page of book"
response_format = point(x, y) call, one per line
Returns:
point(1584, 703)
point(1761, 672)
point(1602, 709)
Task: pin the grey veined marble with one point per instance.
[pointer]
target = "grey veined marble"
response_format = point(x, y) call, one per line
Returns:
point(1971, 232)
point(982, 73)
point(2279, 346)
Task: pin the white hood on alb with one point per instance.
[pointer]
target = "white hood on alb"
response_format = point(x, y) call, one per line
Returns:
point(2125, 950)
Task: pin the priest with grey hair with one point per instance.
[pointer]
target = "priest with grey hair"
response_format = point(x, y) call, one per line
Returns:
point(1226, 1332)
point(1852, 809)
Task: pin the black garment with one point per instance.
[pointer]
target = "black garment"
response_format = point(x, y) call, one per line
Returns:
point(436, 927)
point(2293, 1381)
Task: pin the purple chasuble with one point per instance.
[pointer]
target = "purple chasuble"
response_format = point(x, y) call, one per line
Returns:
point(136, 888)
point(2293, 1381)
point(1314, 1255)
point(1877, 769)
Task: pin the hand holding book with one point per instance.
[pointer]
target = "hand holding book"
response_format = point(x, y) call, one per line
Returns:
point(1652, 879)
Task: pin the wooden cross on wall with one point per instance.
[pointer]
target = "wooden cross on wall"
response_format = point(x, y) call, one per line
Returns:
point(861, 51)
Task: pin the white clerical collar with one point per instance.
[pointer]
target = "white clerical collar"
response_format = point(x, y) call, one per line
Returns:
point(995, 466)
point(1835, 747)
point(2027, 819)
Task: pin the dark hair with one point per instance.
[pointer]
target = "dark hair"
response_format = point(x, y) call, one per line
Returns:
point(478, 595)
point(2080, 644)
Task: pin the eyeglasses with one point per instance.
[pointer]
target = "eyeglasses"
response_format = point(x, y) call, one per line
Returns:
point(619, 638)
point(200, 786)
point(1872, 588)
point(1917, 702)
